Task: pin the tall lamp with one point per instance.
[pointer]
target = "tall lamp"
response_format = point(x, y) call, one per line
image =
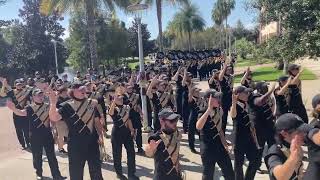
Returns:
point(138, 10)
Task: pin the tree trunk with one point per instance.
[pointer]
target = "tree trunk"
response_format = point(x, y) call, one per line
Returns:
point(91, 34)
point(189, 40)
point(220, 36)
point(226, 32)
point(285, 66)
point(159, 16)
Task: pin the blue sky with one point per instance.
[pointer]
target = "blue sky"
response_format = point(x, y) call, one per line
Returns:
point(11, 10)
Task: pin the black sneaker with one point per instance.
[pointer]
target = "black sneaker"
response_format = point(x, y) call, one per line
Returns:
point(63, 151)
point(260, 171)
point(140, 151)
point(39, 177)
point(133, 177)
point(59, 178)
point(194, 151)
point(121, 177)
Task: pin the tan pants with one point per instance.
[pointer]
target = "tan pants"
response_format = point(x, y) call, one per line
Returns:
point(62, 129)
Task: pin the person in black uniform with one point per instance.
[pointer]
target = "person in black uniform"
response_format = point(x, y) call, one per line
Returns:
point(155, 101)
point(260, 110)
point(122, 134)
point(294, 99)
point(92, 93)
point(186, 82)
point(37, 115)
point(134, 101)
point(284, 159)
point(247, 80)
point(201, 70)
point(179, 90)
point(293, 71)
point(281, 94)
point(313, 170)
point(226, 85)
point(214, 80)
point(164, 147)
point(197, 105)
point(85, 130)
point(61, 126)
point(160, 99)
point(20, 96)
point(245, 142)
point(213, 145)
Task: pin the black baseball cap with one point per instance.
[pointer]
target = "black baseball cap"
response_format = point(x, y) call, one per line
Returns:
point(168, 114)
point(283, 78)
point(213, 93)
point(76, 85)
point(241, 89)
point(36, 92)
point(293, 67)
point(315, 100)
point(18, 82)
point(289, 122)
point(260, 85)
point(215, 71)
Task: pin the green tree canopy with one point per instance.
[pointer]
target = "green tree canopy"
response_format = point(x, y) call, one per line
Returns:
point(90, 7)
point(30, 43)
point(148, 46)
point(159, 5)
point(186, 21)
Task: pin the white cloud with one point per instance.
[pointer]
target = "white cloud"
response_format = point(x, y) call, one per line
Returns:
point(129, 21)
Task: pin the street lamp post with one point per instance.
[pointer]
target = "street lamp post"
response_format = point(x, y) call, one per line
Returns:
point(138, 8)
point(55, 55)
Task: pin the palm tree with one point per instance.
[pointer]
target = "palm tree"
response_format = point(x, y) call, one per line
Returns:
point(159, 4)
point(188, 20)
point(90, 6)
point(221, 10)
point(217, 17)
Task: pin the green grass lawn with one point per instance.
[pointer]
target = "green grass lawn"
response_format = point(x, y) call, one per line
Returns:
point(251, 62)
point(272, 74)
point(132, 65)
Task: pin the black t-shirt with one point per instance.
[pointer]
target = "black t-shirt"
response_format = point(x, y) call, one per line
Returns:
point(61, 100)
point(242, 125)
point(295, 103)
point(226, 89)
point(20, 98)
point(194, 110)
point(117, 119)
point(209, 136)
point(214, 85)
point(282, 106)
point(225, 84)
point(313, 149)
point(262, 116)
point(73, 119)
point(179, 83)
point(274, 158)
point(38, 118)
point(161, 165)
point(156, 103)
